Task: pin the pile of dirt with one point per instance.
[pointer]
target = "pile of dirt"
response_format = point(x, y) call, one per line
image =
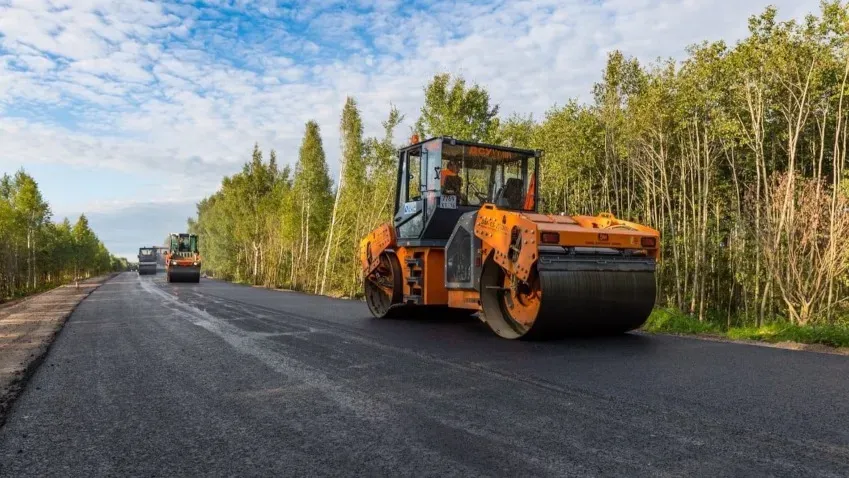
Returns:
point(28, 327)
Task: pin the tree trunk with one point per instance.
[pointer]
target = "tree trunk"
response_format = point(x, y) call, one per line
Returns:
point(332, 228)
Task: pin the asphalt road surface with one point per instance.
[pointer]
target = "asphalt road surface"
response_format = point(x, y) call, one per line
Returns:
point(213, 379)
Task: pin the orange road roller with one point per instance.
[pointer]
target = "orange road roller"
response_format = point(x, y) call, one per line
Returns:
point(467, 238)
point(183, 261)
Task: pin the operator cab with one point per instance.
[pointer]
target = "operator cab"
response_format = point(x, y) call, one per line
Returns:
point(184, 244)
point(441, 179)
point(147, 254)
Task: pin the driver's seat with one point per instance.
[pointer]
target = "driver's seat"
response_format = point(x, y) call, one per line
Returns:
point(511, 194)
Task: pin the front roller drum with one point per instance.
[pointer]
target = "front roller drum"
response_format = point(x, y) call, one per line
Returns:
point(183, 274)
point(557, 303)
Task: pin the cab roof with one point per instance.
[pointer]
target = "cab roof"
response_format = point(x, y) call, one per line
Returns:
point(454, 141)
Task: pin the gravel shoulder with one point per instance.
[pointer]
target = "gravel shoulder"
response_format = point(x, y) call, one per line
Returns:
point(28, 327)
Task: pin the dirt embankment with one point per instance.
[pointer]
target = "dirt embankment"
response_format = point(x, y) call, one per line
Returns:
point(28, 327)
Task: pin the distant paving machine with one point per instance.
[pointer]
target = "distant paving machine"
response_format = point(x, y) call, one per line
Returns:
point(183, 261)
point(147, 260)
point(467, 237)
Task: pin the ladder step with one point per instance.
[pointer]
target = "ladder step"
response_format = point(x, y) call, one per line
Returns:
point(414, 262)
point(413, 299)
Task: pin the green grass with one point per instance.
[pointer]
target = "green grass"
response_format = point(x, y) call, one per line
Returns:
point(672, 321)
point(832, 335)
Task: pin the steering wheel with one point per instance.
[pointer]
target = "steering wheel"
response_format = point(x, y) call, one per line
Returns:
point(482, 198)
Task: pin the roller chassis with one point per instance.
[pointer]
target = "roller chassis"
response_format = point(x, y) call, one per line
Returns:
point(595, 287)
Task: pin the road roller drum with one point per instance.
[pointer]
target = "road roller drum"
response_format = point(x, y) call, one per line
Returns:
point(568, 296)
point(183, 274)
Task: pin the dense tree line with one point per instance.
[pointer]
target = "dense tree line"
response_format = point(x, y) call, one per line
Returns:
point(36, 253)
point(737, 154)
point(289, 227)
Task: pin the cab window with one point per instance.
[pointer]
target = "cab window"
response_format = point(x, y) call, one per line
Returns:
point(477, 175)
point(414, 175)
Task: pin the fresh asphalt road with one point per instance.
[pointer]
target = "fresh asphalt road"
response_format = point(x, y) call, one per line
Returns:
point(211, 379)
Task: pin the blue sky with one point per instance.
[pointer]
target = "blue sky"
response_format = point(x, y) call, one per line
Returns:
point(132, 110)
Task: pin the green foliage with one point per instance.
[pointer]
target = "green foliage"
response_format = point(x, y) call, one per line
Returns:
point(312, 196)
point(270, 227)
point(673, 321)
point(831, 335)
point(517, 131)
point(570, 137)
point(239, 224)
point(37, 254)
point(346, 225)
point(452, 108)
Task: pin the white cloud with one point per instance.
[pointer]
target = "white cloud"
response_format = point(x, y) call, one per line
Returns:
point(134, 85)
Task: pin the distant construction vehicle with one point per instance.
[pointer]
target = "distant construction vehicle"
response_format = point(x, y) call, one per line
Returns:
point(160, 257)
point(183, 261)
point(147, 260)
point(467, 237)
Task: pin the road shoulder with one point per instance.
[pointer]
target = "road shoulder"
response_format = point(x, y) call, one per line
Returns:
point(28, 328)
point(785, 344)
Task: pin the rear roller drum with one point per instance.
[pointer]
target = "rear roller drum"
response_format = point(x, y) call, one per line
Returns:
point(510, 313)
point(383, 287)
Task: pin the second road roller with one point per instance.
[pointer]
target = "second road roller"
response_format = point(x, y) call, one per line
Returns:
point(147, 260)
point(467, 237)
